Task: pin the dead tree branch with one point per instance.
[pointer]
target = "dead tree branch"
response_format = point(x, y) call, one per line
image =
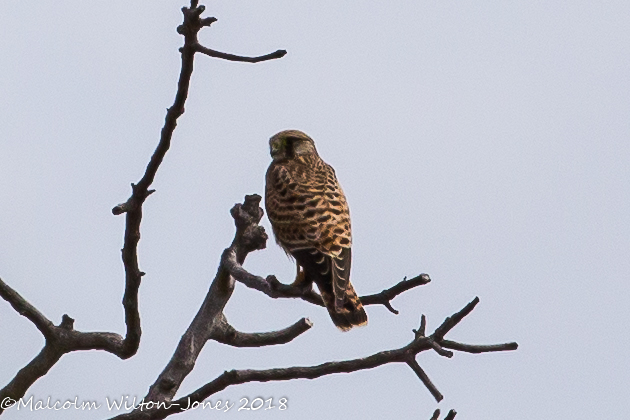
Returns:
point(226, 334)
point(385, 297)
point(275, 289)
point(232, 57)
point(450, 416)
point(62, 338)
point(211, 324)
point(43, 324)
point(424, 378)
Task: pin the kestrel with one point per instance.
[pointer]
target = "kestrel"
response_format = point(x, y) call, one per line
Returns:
point(311, 222)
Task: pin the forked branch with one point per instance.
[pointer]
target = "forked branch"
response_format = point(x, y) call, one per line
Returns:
point(60, 339)
point(275, 289)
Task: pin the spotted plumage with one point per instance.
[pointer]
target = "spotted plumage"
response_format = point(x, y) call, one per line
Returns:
point(311, 222)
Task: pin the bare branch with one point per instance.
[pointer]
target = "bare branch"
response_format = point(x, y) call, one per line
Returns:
point(236, 270)
point(451, 415)
point(471, 348)
point(30, 373)
point(454, 319)
point(420, 332)
point(425, 379)
point(275, 289)
point(235, 338)
point(231, 57)
point(439, 350)
point(27, 310)
point(60, 340)
point(133, 206)
point(385, 297)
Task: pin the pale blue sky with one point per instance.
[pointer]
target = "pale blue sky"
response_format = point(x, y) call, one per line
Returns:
point(484, 143)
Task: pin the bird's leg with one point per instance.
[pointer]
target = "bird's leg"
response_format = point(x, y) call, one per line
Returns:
point(300, 279)
point(299, 276)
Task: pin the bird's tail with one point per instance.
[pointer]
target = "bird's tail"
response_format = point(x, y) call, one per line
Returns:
point(351, 314)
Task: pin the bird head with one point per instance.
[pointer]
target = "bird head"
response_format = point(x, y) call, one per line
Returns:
point(290, 144)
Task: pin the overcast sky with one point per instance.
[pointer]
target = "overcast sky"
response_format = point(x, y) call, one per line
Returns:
point(483, 142)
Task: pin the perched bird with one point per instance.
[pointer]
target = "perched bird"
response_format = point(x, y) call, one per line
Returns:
point(311, 222)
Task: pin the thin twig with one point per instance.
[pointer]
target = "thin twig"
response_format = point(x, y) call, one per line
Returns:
point(454, 319)
point(425, 379)
point(472, 348)
point(451, 415)
point(439, 350)
point(231, 57)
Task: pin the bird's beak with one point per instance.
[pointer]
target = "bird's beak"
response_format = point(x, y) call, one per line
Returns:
point(273, 150)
